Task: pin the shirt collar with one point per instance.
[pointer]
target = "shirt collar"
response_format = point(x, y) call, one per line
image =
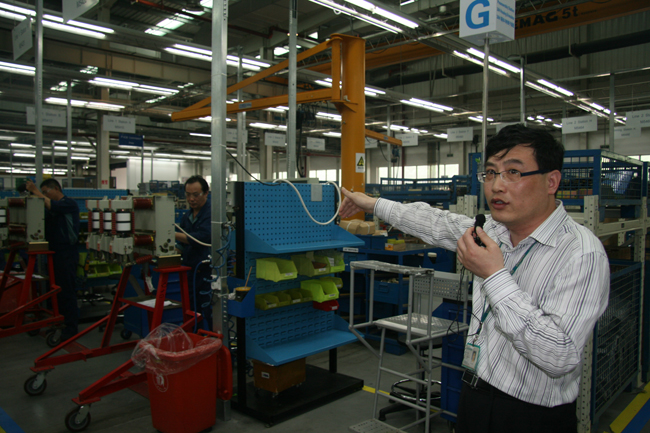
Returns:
point(545, 234)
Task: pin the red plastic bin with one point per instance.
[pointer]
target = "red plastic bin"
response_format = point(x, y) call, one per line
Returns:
point(332, 305)
point(184, 402)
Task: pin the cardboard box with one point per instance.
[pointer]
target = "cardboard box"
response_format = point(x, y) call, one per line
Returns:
point(358, 227)
point(277, 378)
point(619, 253)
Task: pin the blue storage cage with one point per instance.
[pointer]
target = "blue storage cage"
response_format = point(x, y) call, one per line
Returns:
point(616, 348)
point(619, 181)
point(444, 191)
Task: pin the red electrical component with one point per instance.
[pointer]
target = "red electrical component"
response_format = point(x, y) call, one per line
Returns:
point(142, 203)
point(16, 202)
point(142, 240)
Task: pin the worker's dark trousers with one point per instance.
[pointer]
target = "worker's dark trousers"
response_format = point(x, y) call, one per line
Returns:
point(66, 259)
point(488, 410)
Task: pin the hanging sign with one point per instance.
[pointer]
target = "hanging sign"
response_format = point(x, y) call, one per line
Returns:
point(49, 117)
point(460, 134)
point(131, 140)
point(408, 139)
point(487, 19)
point(314, 143)
point(371, 143)
point(22, 37)
point(75, 8)
point(621, 132)
point(640, 119)
point(572, 125)
point(274, 139)
point(231, 135)
point(360, 165)
point(119, 124)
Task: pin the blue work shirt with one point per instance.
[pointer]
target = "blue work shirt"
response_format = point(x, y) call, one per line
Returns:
point(62, 223)
point(199, 228)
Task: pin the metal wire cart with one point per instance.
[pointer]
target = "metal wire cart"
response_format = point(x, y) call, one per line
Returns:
point(421, 329)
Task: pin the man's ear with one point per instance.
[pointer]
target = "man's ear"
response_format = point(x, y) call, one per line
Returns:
point(554, 179)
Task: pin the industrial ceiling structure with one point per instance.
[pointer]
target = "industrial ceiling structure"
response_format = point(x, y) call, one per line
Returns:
point(150, 58)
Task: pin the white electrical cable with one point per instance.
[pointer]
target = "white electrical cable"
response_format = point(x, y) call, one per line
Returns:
point(192, 237)
point(338, 191)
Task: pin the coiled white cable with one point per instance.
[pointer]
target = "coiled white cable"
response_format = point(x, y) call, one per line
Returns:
point(192, 237)
point(338, 191)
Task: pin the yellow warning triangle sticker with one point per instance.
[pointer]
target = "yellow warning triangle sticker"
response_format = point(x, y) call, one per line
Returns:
point(360, 163)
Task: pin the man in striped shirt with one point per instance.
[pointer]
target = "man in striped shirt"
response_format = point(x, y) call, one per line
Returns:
point(541, 283)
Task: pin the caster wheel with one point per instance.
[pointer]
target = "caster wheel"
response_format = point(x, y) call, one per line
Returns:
point(30, 388)
point(33, 332)
point(126, 334)
point(53, 339)
point(74, 422)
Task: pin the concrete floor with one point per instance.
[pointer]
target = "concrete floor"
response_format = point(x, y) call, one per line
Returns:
point(127, 411)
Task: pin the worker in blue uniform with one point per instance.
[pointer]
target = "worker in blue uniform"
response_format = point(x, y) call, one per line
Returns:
point(194, 244)
point(62, 235)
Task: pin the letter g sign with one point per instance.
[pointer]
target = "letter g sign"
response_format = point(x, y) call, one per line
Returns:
point(483, 16)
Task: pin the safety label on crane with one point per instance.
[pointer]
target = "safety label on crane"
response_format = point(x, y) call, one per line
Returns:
point(361, 163)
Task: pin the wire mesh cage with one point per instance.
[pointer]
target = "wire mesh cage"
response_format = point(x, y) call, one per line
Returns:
point(616, 349)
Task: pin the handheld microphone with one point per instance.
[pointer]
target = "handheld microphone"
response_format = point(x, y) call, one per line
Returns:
point(480, 220)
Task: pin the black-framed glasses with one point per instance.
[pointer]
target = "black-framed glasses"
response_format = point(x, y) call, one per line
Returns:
point(194, 194)
point(508, 176)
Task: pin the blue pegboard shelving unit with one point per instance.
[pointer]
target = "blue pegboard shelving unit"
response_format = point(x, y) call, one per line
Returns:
point(271, 222)
point(277, 224)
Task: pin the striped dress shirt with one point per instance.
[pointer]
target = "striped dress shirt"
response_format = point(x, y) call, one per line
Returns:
point(533, 339)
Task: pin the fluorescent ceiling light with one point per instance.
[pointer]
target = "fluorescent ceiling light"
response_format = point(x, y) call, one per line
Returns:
point(329, 116)
point(479, 119)
point(543, 90)
point(440, 135)
point(17, 9)
point(384, 13)
point(71, 29)
point(85, 104)
point(7, 138)
point(15, 68)
point(11, 15)
point(557, 125)
point(245, 60)
point(555, 87)
point(198, 152)
point(113, 84)
point(119, 152)
point(197, 134)
point(351, 12)
point(426, 105)
point(24, 155)
point(79, 24)
point(21, 145)
point(332, 134)
point(262, 125)
point(278, 109)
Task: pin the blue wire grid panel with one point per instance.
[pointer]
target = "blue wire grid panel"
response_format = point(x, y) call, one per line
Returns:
point(439, 190)
point(277, 223)
point(616, 346)
point(617, 180)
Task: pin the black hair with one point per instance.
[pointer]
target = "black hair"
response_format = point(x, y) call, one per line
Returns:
point(548, 152)
point(51, 183)
point(199, 179)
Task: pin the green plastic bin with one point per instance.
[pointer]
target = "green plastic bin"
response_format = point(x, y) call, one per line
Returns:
point(274, 269)
point(321, 291)
point(309, 268)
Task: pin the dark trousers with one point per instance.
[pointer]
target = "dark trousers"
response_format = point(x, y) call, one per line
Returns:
point(485, 409)
point(65, 275)
point(203, 294)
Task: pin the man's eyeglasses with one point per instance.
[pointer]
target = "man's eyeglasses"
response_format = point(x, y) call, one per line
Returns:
point(508, 176)
point(194, 194)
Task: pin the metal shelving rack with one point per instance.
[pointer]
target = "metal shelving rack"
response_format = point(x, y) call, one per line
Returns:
point(443, 191)
point(271, 222)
